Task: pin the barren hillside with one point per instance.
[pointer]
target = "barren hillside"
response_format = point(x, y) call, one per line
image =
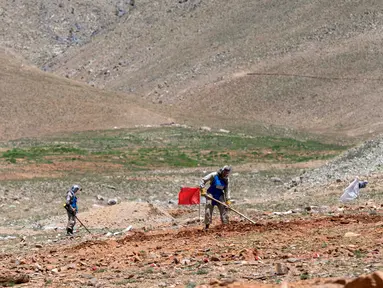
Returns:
point(34, 103)
point(40, 30)
point(315, 65)
point(286, 67)
point(193, 53)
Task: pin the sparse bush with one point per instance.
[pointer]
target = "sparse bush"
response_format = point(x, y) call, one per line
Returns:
point(305, 276)
point(190, 285)
point(202, 271)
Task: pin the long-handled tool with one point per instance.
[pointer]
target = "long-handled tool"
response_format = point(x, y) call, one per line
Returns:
point(227, 206)
point(78, 220)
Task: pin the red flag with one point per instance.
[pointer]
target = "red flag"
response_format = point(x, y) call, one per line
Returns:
point(189, 196)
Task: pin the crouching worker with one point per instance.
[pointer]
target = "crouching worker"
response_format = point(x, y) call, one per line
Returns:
point(218, 189)
point(71, 208)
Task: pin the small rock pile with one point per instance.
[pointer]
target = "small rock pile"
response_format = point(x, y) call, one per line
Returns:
point(359, 161)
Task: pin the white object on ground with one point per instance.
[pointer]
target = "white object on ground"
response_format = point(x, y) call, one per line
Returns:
point(128, 228)
point(351, 192)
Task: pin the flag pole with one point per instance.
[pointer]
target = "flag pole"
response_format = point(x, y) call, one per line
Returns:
point(199, 209)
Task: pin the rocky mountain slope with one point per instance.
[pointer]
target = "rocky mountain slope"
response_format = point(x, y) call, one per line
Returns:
point(364, 161)
point(42, 30)
point(313, 67)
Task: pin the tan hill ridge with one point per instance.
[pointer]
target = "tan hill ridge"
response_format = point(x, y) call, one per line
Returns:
point(316, 66)
point(34, 103)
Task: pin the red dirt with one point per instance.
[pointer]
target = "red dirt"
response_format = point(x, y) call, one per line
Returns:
point(239, 251)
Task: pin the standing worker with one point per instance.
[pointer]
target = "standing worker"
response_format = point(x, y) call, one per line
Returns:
point(71, 208)
point(219, 189)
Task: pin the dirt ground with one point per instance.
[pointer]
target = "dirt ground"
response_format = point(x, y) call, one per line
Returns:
point(158, 244)
point(107, 67)
point(296, 250)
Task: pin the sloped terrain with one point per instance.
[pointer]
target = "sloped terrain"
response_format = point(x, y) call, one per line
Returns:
point(313, 66)
point(42, 30)
point(273, 67)
point(34, 103)
point(363, 160)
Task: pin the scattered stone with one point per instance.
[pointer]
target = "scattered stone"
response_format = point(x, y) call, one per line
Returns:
point(297, 210)
point(351, 234)
point(191, 221)
point(214, 282)
point(112, 201)
point(7, 237)
point(292, 260)
point(296, 181)
point(93, 282)
point(120, 12)
point(185, 261)
point(71, 266)
point(38, 267)
point(276, 180)
point(281, 269)
point(214, 258)
point(283, 213)
point(130, 227)
point(205, 128)
point(249, 254)
point(10, 280)
point(137, 258)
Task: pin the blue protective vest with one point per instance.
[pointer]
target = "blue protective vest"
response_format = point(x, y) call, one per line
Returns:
point(73, 201)
point(216, 188)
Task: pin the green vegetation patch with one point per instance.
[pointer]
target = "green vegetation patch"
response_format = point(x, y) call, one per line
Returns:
point(148, 148)
point(39, 153)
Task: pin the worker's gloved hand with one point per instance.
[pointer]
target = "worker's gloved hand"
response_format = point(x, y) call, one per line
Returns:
point(203, 191)
point(228, 202)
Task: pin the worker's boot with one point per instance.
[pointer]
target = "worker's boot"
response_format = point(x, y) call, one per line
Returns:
point(206, 227)
point(69, 232)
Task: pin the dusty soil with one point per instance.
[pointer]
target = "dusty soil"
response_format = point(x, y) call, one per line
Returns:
point(121, 216)
point(275, 250)
point(116, 65)
point(52, 170)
